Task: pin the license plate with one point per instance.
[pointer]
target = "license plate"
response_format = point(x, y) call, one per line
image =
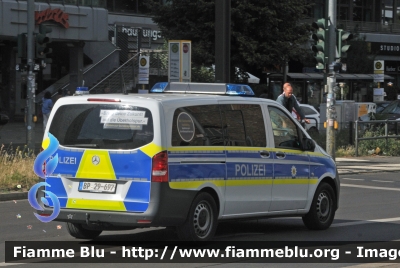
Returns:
point(97, 187)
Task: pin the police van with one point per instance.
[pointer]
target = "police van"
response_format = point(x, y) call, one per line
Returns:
point(188, 156)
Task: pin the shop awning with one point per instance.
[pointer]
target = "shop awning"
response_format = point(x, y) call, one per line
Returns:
point(338, 76)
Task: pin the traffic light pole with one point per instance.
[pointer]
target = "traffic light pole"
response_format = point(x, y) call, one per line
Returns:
point(30, 101)
point(331, 81)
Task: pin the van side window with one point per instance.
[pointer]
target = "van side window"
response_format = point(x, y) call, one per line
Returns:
point(243, 125)
point(197, 126)
point(285, 130)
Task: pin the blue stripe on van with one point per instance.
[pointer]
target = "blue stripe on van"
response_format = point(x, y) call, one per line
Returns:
point(138, 197)
point(134, 164)
point(68, 162)
point(180, 171)
point(57, 188)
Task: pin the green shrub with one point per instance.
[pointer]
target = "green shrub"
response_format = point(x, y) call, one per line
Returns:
point(16, 169)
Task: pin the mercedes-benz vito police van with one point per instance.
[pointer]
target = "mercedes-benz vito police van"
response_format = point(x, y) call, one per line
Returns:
point(188, 155)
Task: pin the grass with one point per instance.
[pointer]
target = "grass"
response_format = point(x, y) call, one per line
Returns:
point(16, 169)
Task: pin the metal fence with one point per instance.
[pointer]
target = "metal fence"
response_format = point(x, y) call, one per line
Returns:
point(125, 77)
point(391, 130)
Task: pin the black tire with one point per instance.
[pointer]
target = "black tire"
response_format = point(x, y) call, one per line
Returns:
point(201, 222)
point(322, 210)
point(78, 231)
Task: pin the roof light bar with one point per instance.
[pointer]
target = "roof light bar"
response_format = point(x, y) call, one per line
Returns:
point(159, 87)
point(203, 88)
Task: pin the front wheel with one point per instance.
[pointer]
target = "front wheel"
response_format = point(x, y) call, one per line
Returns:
point(201, 222)
point(78, 231)
point(322, 210)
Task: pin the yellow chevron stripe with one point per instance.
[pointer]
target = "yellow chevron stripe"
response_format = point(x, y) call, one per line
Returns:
point(194, 184)
point(96, 204)
point(232, 183)
point(152, 149)
point(291, 181)
point(104, 170)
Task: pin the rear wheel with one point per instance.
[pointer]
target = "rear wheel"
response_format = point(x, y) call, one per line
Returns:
point(322, 210)
point(201, 222)
point(78, 231)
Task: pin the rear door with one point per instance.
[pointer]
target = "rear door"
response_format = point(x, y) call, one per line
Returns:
point(249, 163)
point(104, 156)
point(291, 164)
point(196, 158)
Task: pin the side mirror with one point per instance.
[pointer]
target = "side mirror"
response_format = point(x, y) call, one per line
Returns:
point(308, 145)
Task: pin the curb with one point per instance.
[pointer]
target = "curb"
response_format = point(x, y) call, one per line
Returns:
point(13, 196)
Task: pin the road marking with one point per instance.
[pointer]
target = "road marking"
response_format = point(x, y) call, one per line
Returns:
point(341, 159)
point(382, 181)
point(365, 222)
point(370, 187)
point(350, 179)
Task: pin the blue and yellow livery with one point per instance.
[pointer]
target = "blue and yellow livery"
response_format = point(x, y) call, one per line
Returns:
point(186, 160)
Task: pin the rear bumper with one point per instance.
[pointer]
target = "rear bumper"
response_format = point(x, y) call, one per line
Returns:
point(167, 207)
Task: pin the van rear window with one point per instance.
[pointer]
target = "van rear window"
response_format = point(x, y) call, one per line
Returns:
point(102, 126)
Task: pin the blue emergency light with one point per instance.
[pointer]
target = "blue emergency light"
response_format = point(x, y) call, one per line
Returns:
point(82, 91)
point(203, 88)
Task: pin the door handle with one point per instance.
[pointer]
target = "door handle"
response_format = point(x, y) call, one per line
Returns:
point(265, 154)
point(280, 155)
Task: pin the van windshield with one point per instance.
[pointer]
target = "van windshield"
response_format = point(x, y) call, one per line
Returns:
point(102, 126)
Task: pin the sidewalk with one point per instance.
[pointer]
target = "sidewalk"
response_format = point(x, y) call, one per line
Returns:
point(15, 133)
point(368, 164)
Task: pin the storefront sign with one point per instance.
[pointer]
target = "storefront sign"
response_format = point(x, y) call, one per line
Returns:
point(147, 33)
point(392, 67)
point(56, 15)
point(385, 48)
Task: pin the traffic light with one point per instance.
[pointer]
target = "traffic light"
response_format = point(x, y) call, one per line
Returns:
point(22, 45)
point(41, 43)
point(343, 37)
point(320, 47)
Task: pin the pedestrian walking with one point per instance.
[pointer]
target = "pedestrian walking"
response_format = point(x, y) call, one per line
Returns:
point(289, 101)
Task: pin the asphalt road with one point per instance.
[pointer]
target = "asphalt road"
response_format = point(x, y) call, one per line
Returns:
point(369, 211)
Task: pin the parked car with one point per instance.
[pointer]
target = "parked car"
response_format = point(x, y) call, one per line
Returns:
point(313, 115)
point(390, 112)
point(380, 105)
point(3, 118)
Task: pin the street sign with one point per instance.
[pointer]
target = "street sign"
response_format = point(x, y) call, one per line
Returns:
point(144, 66)
point(186, 61)
point(179, 60)
point(379, 71)
point(379, 67)
point(174, 61)
point(379, 78)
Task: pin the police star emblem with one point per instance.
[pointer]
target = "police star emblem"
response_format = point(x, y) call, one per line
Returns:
point(294, 171)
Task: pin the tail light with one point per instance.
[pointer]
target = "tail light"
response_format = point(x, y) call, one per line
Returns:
point(159, 171)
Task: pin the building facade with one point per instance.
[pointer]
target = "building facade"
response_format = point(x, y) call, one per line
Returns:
point(90, 39)
point(375, 21)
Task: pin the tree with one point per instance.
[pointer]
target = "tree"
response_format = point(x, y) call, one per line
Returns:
point(263, 33)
